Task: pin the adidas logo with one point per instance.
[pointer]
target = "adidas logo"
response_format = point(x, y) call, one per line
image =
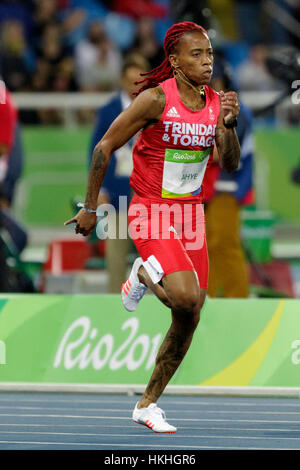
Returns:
point(173, 112)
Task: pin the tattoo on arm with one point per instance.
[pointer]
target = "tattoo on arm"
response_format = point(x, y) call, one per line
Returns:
point(228, 148)
point(159, 95)
point(96, 176)
point(158, 104)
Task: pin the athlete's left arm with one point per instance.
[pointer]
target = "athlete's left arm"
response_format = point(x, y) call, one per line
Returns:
point(227, 144)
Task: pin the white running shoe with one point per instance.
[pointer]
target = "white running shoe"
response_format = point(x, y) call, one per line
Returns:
point(152, 417)
point(133, 290)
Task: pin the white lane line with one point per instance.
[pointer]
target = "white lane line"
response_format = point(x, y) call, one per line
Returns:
point(240, 429)
point(18, 415)
point(112, 410)
point(143, 435)
point(61, 416)
point(139, 435)
point(133, 426)
point(166, 402)
point(122, 410)
point(133, 446)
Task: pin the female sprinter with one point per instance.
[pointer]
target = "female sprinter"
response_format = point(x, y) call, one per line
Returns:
point(183, 123)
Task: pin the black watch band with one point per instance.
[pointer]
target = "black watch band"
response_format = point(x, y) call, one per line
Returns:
point(230, 125)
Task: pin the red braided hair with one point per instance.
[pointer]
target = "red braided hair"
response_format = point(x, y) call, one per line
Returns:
point(164, 70)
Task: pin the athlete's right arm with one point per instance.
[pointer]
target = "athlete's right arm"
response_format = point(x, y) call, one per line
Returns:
point(147, 107)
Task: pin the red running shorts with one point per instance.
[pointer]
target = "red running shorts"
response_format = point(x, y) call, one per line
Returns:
point(170, 237)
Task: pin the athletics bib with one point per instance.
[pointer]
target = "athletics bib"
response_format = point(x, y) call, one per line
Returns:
point(183, 172)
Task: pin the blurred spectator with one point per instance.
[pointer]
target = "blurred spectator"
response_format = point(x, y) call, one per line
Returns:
point(45, 14)
point(139, 8)
point(64, 79)
point(71, 19)
point(189, 10)
point(8, 120)
point(14, 56)
point(50, 47)
point(146, 44)
point(10, 170)
point(116, 181)
point(55, 66)
point(93, 8)
point(252, 74)
point(54, 69)
point(97, 61)
point(21, 11)
point(224, 194)
point(58, 78)
point(76, 15)
point(13, 237)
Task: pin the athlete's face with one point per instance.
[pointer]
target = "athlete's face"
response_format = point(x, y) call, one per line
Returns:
point(194, 56)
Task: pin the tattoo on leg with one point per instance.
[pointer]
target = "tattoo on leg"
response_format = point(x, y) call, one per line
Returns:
point(169, 357)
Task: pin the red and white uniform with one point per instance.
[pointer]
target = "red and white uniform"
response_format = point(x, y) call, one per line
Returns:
point(8, 119)
point(166, 218)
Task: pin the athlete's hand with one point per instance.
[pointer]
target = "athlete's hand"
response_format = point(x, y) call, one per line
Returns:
point(230, 105)
point(85, 222)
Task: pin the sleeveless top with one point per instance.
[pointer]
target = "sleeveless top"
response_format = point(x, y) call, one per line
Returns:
point(170, 158)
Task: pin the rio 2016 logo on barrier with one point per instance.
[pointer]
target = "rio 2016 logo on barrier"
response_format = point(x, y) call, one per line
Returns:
point(2, 353)
point(296, 354)
point(81, 352)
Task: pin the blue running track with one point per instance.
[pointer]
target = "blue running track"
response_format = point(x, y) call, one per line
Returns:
point(58, 421)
